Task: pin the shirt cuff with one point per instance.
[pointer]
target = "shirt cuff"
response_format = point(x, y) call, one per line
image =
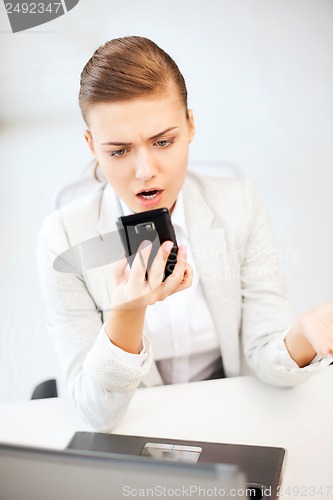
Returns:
point(319, 362)
point(129, 359)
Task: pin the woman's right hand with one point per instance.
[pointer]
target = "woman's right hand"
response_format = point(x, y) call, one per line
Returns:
point(131, 291)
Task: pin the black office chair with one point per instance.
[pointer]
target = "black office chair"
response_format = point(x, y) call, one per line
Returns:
point(47, 389)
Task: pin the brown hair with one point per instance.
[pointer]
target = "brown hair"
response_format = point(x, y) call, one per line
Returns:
point(127, 68)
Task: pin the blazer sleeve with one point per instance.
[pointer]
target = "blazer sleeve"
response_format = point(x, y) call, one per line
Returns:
point(99, 383)
point(267, 311)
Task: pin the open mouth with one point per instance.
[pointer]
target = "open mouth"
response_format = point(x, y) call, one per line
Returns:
point(149, 195)
point(150, 198)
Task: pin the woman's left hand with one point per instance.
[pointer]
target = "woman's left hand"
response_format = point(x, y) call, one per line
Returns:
point(318, 328)
point(311, 334)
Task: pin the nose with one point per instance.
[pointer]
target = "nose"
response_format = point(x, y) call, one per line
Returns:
point(145, 167)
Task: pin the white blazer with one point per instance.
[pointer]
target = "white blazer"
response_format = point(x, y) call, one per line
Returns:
point(232, 244)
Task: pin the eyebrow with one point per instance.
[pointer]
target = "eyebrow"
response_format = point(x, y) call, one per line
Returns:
point(130, 143)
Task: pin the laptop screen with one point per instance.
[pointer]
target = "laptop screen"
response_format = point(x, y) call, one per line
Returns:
point(41, 474)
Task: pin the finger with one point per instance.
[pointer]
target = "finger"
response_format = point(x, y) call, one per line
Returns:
point(187, 280)
point(156, 271)
point(321, 339)
point(140, 263)
point(177, 276)
point(323, 343)
point(323, 349)
point(118, 270)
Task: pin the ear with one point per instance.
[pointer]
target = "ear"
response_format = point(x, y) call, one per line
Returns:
point(89, 140)
point(190, 124)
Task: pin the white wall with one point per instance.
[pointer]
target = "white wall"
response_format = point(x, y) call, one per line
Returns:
point(260, 80)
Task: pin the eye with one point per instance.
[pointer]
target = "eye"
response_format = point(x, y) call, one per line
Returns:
point(118, 153)
point(165, 143)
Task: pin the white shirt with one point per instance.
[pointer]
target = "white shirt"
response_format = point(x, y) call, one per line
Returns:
point(180, 328)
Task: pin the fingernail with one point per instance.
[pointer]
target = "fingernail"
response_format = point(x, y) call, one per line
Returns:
point(145, 244)
point(184, 250)
point(168, 246)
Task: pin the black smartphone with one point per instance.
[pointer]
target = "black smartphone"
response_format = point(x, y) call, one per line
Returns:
point(153, 225)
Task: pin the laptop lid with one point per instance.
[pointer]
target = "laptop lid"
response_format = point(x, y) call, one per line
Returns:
point(263, 465)
point(43, 474)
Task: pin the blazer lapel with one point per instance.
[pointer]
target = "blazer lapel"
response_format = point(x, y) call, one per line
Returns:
point(210, 252)
point(107, 214)
point(107, 230)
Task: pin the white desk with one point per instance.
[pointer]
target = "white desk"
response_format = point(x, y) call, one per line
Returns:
point(234, 410)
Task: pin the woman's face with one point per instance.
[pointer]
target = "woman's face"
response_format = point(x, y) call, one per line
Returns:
point(142, 148)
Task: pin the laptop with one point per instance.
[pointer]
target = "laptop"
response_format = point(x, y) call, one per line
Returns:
point(42, 474)
point(263, 465)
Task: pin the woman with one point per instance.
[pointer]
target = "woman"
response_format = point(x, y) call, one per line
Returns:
point(113, 329)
